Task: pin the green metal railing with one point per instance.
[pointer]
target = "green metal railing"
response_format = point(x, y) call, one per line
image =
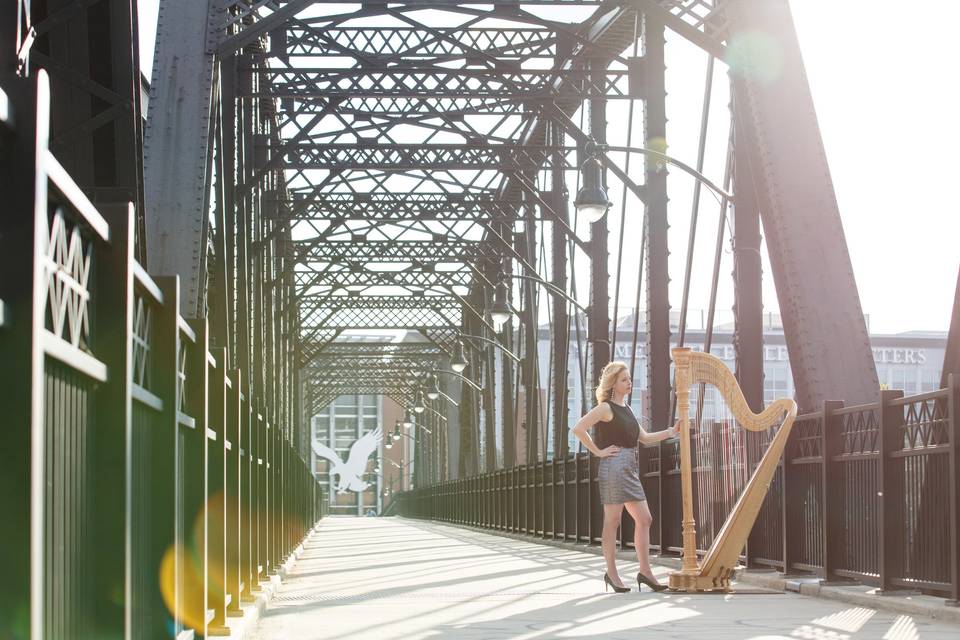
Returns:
point(145, 491)
point(869, 493)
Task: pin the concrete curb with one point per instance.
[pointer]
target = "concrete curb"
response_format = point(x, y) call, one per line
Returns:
point(906, 602)
point(243, 626)
point(909, 602)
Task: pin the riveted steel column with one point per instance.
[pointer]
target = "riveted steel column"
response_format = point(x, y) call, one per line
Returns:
point(598, 318)
point(561, 319)
point(526, 245)
point(823, 323)
point(176, 144)
point(951, 358)
point(507, 401)
point(747, 274)
point(658, 299)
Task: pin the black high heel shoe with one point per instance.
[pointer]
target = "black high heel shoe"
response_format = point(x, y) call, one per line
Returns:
point(644, 580)
point(607, 582)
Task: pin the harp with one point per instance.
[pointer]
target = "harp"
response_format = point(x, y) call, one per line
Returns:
point(714, 571)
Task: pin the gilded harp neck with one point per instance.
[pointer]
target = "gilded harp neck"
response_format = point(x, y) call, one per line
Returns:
point(694, 367)
point(717, 566)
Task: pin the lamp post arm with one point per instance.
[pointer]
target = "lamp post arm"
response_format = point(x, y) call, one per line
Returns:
point(584, 139)
point(449, 399)
point(450, 373)
point(552, 288)
point(462, 377)
point(509, 353)
point(699, 177)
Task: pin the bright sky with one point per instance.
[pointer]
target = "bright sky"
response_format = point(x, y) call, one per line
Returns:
point(887, 100)
point(881, 82)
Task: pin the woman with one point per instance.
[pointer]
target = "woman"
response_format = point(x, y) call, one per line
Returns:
point(615, 443)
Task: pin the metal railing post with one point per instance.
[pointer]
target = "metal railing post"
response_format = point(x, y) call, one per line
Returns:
point(832, 445)
point(890, 542)
point(953, 406)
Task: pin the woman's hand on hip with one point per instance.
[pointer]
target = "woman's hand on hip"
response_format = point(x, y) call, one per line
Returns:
point(612, 450)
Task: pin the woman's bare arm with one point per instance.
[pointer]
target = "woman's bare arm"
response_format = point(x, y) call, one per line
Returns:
point(652, 438)
point(600, 413)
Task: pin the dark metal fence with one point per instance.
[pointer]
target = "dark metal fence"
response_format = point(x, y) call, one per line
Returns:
point(868, 493)
point(144, 493)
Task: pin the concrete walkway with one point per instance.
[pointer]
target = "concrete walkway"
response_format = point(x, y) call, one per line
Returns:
point(398, 578)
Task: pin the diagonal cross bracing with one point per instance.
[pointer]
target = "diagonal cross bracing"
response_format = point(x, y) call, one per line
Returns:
point(388, 206)
point(407, 152)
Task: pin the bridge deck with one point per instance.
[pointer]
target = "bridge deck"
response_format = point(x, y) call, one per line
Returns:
point(397, 578)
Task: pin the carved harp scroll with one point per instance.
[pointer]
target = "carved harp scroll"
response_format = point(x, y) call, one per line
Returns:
point(717, 566)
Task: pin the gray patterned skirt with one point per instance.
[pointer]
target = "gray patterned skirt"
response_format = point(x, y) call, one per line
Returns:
point(619, 477)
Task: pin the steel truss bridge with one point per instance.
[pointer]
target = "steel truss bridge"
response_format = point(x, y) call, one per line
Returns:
point(187, 263)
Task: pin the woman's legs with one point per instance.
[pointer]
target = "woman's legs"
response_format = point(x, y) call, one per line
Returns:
point(608, 539)
point(641, 534)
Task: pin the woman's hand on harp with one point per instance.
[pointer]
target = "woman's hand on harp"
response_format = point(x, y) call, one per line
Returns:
point(673, 432)
point(612, 450)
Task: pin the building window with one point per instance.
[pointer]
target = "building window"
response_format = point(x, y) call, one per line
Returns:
point(776, 382)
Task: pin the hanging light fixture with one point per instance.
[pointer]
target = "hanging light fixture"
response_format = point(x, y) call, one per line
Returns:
point(418, 406)
point(396, 432)
point(434, 391)
point(459, 361)
point(499, 312)
point(591, 201)
point(387, 443)
point(407, 420)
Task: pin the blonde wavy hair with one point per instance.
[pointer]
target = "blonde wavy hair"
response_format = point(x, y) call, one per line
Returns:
point(608, 378)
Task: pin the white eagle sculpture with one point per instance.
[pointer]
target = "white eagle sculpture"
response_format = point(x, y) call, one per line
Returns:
point(351, 471)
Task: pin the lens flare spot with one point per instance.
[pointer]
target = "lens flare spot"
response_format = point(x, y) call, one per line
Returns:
point(755, 55)
point(658, 144)
point(189, 613)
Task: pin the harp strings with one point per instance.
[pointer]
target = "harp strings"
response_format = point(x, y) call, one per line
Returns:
point(720, 469)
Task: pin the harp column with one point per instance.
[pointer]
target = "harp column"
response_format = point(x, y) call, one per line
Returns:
point(681, 358)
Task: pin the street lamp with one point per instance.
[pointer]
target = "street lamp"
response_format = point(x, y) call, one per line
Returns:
point(434, 391)
point(418, 406)
point(459, 361)
point(396, 432)
point(499, 312)
point(590, 196)
point(407, 420)
point(592, 201)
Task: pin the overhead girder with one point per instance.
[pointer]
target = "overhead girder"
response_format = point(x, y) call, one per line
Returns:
point(389, 206)
point(411, 157)
point(381, 130)
point(438, 82)
point(410, 280)
point(454, 109)
point(697, 20)
point(384, 366)
point(380, 349)
point(380, 312)
point(316, 38)
point(421, 252)
point(403, 395)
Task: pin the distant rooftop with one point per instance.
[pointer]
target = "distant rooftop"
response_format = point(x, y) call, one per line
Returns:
point(724, 323)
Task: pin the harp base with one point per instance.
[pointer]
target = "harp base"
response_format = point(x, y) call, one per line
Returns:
point(693, 582)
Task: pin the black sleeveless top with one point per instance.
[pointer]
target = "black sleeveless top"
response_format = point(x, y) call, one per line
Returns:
point(623, 430)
